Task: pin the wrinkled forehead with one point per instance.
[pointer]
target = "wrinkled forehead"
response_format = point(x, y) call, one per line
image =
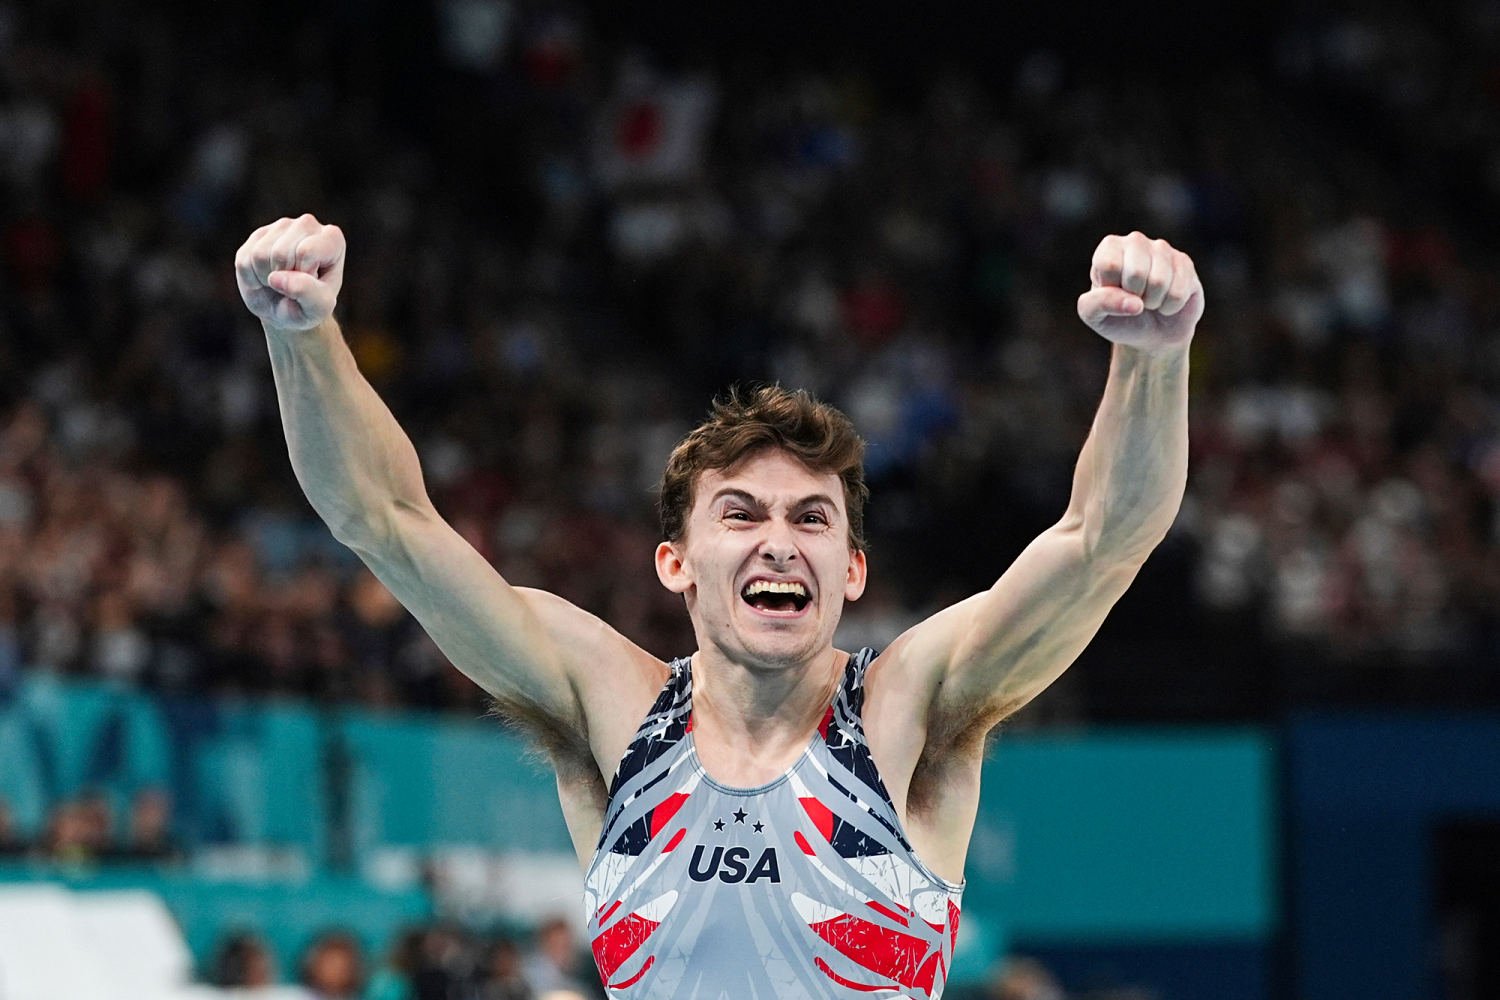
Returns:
point(772, 478)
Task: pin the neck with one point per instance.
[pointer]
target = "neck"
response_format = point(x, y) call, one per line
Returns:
point(760, 709)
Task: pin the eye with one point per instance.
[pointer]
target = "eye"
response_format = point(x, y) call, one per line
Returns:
point(736, 515)
point(813, 517)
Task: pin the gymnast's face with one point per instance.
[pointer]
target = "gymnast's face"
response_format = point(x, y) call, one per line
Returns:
point(764, 563)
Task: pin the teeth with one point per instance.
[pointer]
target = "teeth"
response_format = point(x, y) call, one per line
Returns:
point(768, 587)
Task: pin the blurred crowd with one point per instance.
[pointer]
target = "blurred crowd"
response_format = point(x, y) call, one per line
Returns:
point(446, 961)
point(562, 245)
point(440, 961)
point(84, 831)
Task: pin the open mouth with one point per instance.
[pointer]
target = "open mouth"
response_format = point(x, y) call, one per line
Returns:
point(776, 598)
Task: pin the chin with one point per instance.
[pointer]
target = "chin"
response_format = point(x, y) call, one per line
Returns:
point(785, 650)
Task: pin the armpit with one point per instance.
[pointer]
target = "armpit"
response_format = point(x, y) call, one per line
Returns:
point(566, 750)
point(954, 748)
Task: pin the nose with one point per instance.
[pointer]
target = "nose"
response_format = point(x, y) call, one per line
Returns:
point(778, 546)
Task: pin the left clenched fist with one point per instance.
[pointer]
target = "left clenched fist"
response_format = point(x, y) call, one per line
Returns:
point(1142, 293)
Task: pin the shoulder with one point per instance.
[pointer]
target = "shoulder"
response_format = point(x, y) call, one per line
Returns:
point(613, 680)
point(619, 695)
point(901, 698)
point(598, 660)
point(895, 683)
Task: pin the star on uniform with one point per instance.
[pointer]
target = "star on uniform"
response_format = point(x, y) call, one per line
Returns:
point(759, 826)
point(718, 824)
point(739, 815)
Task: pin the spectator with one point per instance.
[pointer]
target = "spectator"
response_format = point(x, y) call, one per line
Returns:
point(396, 978)
point(1023, 978)
point(96, 813)
point(501, 976)
point(12, 843)
point(10, 633)
point(70, 837)
point(333, 967)
point(435, 962)
point(555, 959)
point(149, 831)
point(243, 961)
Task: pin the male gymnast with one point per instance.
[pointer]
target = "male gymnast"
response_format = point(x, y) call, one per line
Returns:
point(769, 816)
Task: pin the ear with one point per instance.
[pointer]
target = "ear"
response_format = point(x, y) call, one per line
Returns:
point(671, 569)
point(854, 583)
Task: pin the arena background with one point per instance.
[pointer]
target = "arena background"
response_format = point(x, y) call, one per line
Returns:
point(228, 759)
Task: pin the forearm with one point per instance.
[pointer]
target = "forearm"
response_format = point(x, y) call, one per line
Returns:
point(1132, 472)
point(354, 462)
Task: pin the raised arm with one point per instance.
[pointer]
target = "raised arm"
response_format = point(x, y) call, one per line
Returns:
point(361, 474)
point(982, 659)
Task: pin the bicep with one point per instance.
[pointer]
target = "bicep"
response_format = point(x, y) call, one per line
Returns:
point(521, 646)
point(987, 656)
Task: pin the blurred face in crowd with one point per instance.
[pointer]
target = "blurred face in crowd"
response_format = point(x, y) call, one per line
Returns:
point(505, 961)
point(555, 940)
point(765, 562)
point(150, 815)
point(98, 818)
point(68, 829)
point(259, 970)
point(333, 968)
point(1025, 979)
point(245, 961)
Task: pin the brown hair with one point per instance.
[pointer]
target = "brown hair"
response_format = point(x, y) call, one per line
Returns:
point(746, 422)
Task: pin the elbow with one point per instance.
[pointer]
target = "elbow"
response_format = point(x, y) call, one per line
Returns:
point(371, 531)
point(360, 534)
point(1126, 541)
point(1133, 548)
point(1130, 554)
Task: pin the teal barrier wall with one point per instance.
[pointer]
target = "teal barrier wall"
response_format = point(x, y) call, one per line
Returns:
point(58, 739)
point(428, 780)
point(259, 772)
point(238, 771)
point(1150, 835)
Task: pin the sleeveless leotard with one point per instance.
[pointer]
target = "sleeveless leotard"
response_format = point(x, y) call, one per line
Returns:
point(802, 888)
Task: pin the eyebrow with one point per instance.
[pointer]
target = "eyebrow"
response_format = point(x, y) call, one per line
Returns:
point(807, 501)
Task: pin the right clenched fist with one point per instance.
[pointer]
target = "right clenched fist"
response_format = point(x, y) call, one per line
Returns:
point(290, 272)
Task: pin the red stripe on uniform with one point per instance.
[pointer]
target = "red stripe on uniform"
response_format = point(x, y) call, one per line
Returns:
point(663, 813)
point(821, 815)
point(615, 945)
point(633, 979)
point(845, 982)
point(901, 957)
point(899, 918)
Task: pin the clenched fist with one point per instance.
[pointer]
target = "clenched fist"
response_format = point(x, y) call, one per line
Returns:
point(1143, 293)
point(290, 272)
